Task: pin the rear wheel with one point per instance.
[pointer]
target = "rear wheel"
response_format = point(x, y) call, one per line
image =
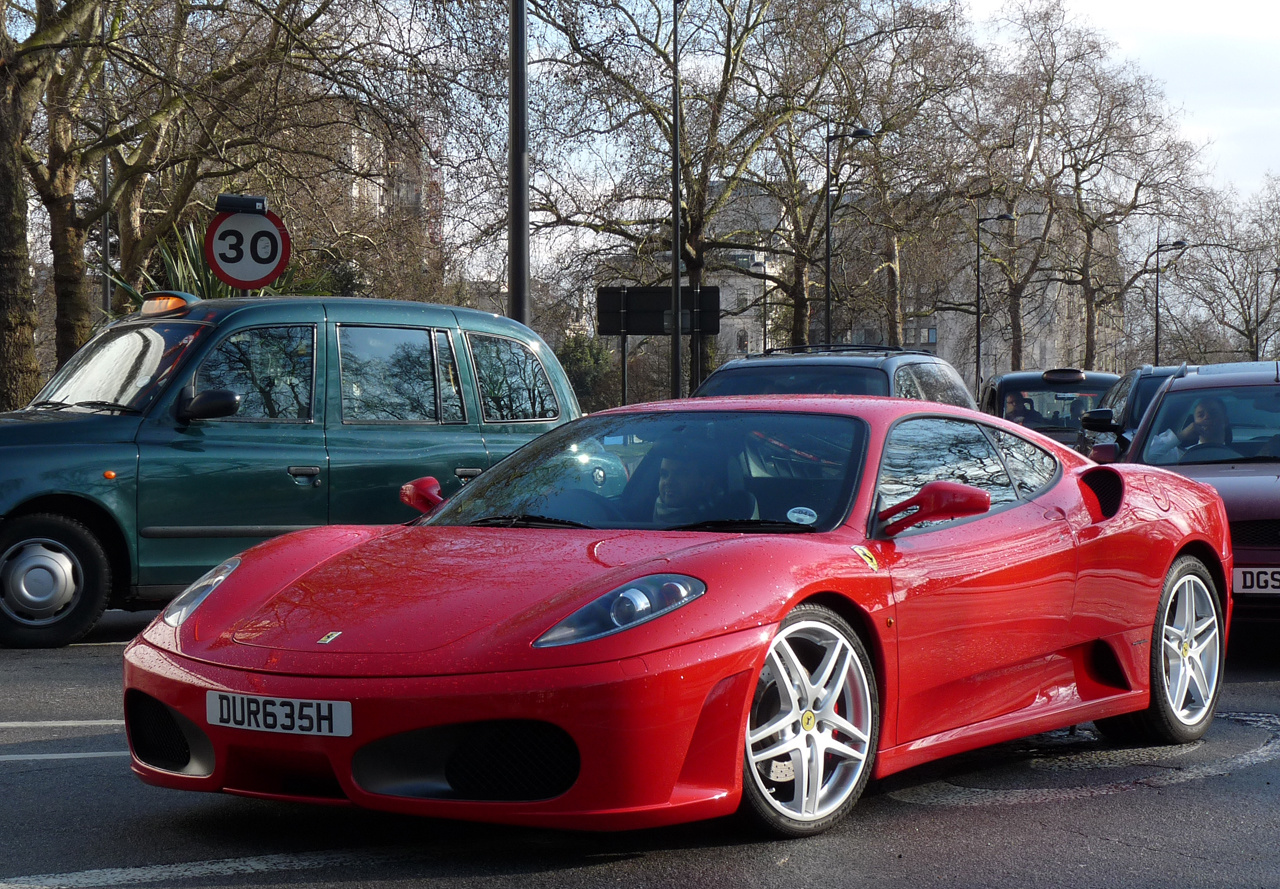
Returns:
point(1187, 660)
point(814, 722)
point(54, 581)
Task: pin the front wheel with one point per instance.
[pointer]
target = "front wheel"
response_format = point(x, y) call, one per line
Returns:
point(54, 581)
point(1188, 653)
point(813, 727)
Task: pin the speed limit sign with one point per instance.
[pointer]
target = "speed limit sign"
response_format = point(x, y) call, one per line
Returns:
point(247, 249)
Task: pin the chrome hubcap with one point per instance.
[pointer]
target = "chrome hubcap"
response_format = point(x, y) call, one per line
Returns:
point(1191, 651)
point(808, 736)
point(38, 580)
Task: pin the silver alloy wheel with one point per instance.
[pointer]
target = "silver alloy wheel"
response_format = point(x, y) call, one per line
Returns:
point(809, 731)
point(40, 579)
point(1192, 648)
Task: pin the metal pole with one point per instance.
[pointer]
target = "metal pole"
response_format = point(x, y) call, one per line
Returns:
point(676, 237)
point(977, 307)
point(1157, 356)
point(518, 170)
point(826, 191)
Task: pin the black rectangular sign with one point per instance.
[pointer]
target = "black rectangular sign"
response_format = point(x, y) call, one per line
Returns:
point(646, 311)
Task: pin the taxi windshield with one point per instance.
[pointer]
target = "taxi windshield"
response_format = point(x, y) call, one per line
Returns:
point(123, 368)
point(748, 471)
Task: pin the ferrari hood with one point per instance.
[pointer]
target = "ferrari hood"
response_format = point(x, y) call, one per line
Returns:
point(423, 589)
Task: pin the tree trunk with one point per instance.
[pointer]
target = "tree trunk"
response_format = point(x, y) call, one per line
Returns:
point(1015, 326)
point(75, 313)
point(19, 369)
point(893, 292)
point(1090, 328)
point(798, 291)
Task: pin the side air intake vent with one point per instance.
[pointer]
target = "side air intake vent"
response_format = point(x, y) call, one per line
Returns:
point(1107, 487)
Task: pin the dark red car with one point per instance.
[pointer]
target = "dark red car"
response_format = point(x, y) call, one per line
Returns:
point(1221, 425)
point(669, 612)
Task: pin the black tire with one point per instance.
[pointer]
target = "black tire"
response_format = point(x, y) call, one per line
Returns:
point(55, 580)
point(1188, 655)
point(834, 725)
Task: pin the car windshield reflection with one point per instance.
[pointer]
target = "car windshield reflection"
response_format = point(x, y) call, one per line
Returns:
point(762, 472)
point(1221, 425)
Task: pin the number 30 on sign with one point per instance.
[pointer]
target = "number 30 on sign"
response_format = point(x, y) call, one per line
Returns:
point(247, 250)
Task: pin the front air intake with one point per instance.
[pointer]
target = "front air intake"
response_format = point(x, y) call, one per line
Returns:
point(154, 733)
point(507, 760)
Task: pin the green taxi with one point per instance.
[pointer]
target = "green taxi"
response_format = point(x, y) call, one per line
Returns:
point(186, 433)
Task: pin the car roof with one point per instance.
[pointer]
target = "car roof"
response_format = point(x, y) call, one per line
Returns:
point(1217, 376)
point(865, 356)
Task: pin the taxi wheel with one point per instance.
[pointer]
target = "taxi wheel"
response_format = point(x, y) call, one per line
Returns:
point(1187, 660)
point(813, 726)
point(54, 581)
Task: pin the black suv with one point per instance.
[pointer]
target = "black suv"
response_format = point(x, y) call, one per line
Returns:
point(840, 370)
point(1127, 401)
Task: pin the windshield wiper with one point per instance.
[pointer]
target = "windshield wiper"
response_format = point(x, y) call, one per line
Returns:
point(108, 406)
point(526, 520)
point(52, 405)
point(768, 525)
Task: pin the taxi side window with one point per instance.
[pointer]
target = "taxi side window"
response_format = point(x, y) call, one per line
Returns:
point(513, 383)
point(451, 409)
point(272, 369)
point(388, 375)
point(933, 449)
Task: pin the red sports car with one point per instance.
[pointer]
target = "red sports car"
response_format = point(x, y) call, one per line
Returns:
point(669, 612)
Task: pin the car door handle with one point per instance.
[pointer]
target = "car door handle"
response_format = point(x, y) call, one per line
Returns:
point(304, 471)
point(467, 473)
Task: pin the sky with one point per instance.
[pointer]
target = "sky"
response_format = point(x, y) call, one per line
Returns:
point(1220, 64)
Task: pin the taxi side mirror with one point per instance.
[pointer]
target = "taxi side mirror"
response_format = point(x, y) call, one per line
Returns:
point(423, 494)
point(208, 405)
point(936, 501)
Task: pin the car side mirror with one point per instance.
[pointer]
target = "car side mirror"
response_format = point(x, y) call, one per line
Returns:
point(1107, 452)
point(1101, 419)
point(208, 405)
point(423, 494)
point(936, 501)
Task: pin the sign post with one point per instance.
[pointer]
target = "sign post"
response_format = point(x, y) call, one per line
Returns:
point(247, 250)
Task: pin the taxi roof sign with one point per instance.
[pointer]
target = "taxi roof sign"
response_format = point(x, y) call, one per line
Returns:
point(159, 302)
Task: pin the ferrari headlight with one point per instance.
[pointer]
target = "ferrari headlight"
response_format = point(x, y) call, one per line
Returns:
point(627, 606)
point(189, 600)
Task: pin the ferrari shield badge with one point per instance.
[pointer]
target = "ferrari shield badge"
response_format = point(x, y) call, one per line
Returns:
point(329, 637)
point(868, 557)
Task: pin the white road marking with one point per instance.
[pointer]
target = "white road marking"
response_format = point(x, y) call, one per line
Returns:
point(61, 723)
point(35, 757)
point(944, 793)
point(170, 874)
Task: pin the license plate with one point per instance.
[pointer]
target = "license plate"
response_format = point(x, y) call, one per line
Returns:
point(283, 715)
point(1256, 580)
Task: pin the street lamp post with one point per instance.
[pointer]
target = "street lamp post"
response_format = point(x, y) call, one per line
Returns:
point(860, 134)
point(977, 296)
point(1176, 245)
point(760, 267)
point(676, 362)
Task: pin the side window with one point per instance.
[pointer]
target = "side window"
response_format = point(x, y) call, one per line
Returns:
point(513, 383)
point(451, 410)
point(938, 384)
point(1031, 467)
point(905, 384)
point(387, 374)
point(272, 368)
point(1118, 396)
point(933, 449)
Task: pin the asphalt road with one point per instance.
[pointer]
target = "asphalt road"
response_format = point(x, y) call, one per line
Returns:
point(1063, 809)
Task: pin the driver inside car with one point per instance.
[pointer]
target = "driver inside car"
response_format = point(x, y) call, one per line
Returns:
point(692, 487)
point(1206, 426)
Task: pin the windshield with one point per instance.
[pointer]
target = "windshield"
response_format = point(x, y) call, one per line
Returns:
point(713, 470)
point(122, 368)
point(818, 379)
point(1221, 425)
point(1048, 407)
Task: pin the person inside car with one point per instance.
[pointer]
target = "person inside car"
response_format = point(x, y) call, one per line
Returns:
point(692, 487)
point(1206, 426)
point(1021, 410)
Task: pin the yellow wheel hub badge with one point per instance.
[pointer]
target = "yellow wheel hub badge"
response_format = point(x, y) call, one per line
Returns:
point(1186, 648)
point(808, 720)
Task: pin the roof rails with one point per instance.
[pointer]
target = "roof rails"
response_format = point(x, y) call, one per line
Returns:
point(833, 347)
